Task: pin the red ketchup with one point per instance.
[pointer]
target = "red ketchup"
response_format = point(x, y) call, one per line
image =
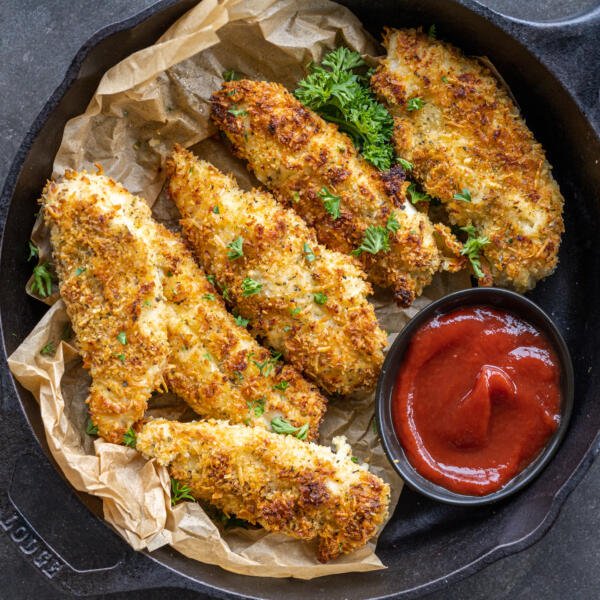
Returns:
point(476, 399)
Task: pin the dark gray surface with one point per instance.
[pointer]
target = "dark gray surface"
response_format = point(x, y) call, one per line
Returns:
point(38, 42)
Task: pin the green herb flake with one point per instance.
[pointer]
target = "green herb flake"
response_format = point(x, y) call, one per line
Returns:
point(236, 248)
point(472, 248)
point(147, 303)
point(308, 253)
point(295, 197)
point(231, 75)
point(211, 279)
point(392, 224)
point(122, 338)
point(121, 357)
point(256, 407)
point(444, 79)
point(415, 103)
point(354, 460)
point(216, 209)
point(250, 287)
point(338, 89)
point(320, 298)
point(179, 492)
point(432, 32)
point(331, 203)
point(80, 270)
point(239, 320)
point(405, 164)
point(209, 297)
point(49, 349)
point(42, 281)
point(34, 251)
point(465, 195)
point(130, 438)
point(237, 112)
point(90, 428)
point(416, 196)
point(295, 311)
point(376, 239)
point(266, 367)
point(284, 427)
point(282, 386)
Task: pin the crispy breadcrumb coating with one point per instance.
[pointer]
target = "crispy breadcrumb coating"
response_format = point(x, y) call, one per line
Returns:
point(311, 305)
point(110, 287)
point(469, 135)
point(303, 159)
point(302, 490)
point(215, 365)
point(142, 309)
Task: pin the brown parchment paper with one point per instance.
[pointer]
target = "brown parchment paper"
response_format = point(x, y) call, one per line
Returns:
point(143, 105)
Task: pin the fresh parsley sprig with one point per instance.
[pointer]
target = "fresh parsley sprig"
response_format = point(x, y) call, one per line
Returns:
point(130, 438)
point(250, 287)
point(472, 247)
point(284, 427)
point(376, 239)
point(42, 281)
point(331, 202)
point(236, 248)
point(341, 95)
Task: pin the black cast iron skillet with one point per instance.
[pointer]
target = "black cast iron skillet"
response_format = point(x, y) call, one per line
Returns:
point(552, 70)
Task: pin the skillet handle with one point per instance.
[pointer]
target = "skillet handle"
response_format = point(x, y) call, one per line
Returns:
point(571, 50)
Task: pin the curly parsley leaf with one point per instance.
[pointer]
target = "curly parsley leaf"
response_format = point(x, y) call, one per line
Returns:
point(465, 195)
point(376, 239)
point(256, 407)
point(405, 164)
point(130, 438)
point(472, 248)
point(392, 224)
point(413, 104)
point(320, 298)
point(282, 386)
point(239, 320)
point(417, 196)
point(250, 287)
point(331, 202)
point(236, 248)
point(341, 95)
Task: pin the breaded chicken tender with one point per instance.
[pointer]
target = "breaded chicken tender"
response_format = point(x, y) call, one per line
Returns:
point(215, 365)
point(302, 490)
point(305, 301)
point(144, 314)
point(112, 291)
point(462, 132)
point(314, 168)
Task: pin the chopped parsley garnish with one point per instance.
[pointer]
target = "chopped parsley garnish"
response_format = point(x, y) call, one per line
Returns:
point(237, 112)
point(211, 279)
point(465, 195)
point(308, 253)
point(130, 438)
point(49, 349)
point(34, 251)
point(90, 428)
point(282, 385)
point(256, 407)
point(417, 196)
point(266, 367)
point(208, 356)
point(42, 281)
point(250, 287)
point(179, 492)
point(295, 197)
point(472, 247)
point(376, 239)
point(331, 202)
point(216, 209)
point(415, 103)
point(354, 459)
point(392, 224)
point(121, 357)
point(210, 297)
point(122, 338)
point(320, 298)
point(444, 79)
point(80, 270)
point(341, 95)
point(405, 164)
point(284, 427)
point(239, 320)
point(295, 311)
point(231, 75)
point(432, 32)
point(236, 248)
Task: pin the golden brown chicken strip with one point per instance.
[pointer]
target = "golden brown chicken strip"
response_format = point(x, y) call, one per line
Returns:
point(471, 149)
point(215, 365)
point(302, 490)
point(314, 168)
point(112, 293)
point(307, 302)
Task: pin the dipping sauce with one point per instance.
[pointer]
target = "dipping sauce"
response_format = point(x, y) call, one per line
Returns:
point(476, 399)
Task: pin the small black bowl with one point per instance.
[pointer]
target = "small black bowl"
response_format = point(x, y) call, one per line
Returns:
point(495, 298)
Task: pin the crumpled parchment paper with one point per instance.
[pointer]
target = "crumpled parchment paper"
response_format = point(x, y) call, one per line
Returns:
point(143, 105)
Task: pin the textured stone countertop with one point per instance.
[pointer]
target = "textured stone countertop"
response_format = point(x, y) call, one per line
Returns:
point(39, 39)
